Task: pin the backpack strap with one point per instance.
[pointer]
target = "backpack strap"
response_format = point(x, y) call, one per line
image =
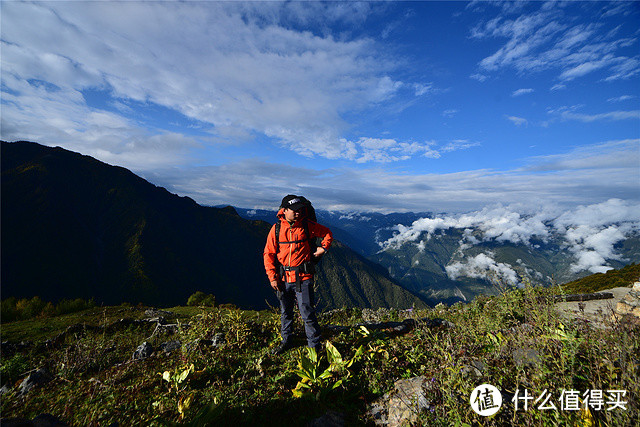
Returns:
point(313, 244)
point(305, 226)
point(277, 238)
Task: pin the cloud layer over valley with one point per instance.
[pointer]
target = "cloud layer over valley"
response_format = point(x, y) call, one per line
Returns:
point(590, 233)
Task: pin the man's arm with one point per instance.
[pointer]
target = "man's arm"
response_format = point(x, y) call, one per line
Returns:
point(318, 230)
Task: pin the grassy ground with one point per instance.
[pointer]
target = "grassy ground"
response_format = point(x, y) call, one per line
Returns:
point(96, 382)
point(625, 277)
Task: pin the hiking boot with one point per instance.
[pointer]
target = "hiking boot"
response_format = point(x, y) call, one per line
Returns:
point(284, 346)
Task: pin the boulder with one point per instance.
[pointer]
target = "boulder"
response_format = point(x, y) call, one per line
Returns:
point(524, 357)
point(218, 340)
point(154, 312)
point(143, 351)
point(401, 406)
point(629, 305)
point(35, 379)
point(474, 369)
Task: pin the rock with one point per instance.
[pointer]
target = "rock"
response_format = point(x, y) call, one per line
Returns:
point(597, 313)
point(403, 405)
point(330, 419)
point(525, 357)
point(474, 369)
point(154, 312)
point(35, 379)
point(143, 351)
point(629, 305)
point(370, 315)
point(378, 411)
point(438, 323)
point(170, 346)
point(407, 325)
point(218, 340)
point(393, 328)
point(582, 297)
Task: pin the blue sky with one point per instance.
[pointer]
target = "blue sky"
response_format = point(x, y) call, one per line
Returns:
point(385, 106)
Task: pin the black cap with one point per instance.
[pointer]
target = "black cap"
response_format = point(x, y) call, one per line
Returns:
point(293, 202)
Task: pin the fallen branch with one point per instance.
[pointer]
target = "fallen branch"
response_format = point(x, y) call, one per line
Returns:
point(582, 297)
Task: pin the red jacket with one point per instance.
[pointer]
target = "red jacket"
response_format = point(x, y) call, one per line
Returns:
point(292, 254)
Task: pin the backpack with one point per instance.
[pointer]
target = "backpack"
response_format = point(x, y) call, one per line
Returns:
point(309, 214)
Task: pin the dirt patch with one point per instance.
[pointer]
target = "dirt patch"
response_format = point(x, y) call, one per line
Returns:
point(597, 312)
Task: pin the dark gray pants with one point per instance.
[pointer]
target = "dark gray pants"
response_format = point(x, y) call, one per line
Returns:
point(306, 304)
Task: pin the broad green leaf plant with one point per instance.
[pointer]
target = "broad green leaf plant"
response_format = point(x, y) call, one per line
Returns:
point(315, 381)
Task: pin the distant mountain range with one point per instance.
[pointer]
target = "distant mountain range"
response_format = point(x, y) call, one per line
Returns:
point(362, 232)
point(449, 258)
point(73, 226)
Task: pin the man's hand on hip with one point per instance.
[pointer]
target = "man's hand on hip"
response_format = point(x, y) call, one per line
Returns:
point(319, 252)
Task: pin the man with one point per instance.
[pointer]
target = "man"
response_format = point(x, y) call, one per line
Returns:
point(289, 263)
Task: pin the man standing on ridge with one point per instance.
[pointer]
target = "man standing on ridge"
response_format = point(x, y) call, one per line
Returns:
point(289, 260)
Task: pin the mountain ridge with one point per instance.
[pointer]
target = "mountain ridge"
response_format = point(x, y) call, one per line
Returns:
point(73, 226)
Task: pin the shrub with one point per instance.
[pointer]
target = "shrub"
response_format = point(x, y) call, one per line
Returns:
point(22, 309)
point(13, 368)
point(201, 299)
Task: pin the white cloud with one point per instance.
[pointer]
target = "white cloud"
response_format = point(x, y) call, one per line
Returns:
point(621, 98)
point(585, 68)
point(518, 121)
point(583, 176)
point(67, 121)
point(385, 150)
point(483, 266)
point(479, 77)
point(226, 64)
point(608, 155)
point(591, 232)
point(552, 39)
point(459, 144)
point(422, 89)
point(588, 232)
point(570, 113)
point(600, 215)
point(521, 92)
point(612, 115)
point(499, 223)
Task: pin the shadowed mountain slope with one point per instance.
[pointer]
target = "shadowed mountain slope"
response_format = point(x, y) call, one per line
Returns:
point(73, 226)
